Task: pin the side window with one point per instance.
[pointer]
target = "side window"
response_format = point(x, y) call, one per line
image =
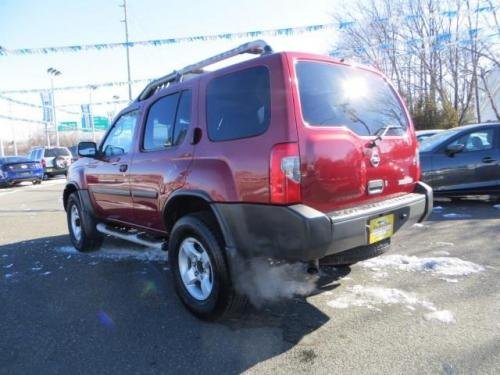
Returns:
point(119, 139)
point(183, 119)
point(238, 104)
point(159, 129)
point(476, 141)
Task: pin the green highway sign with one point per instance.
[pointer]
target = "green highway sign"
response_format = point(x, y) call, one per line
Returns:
point(101, 123)
point(67, 126)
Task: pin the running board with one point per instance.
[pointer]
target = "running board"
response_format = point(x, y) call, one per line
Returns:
point(129, 237)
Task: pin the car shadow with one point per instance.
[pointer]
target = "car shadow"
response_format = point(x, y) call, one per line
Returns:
point(472, 208)
point(65, 311)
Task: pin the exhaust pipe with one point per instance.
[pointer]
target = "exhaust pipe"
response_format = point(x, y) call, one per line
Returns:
point(313, 267)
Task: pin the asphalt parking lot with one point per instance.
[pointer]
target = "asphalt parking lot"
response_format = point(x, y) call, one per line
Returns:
point(431, 305)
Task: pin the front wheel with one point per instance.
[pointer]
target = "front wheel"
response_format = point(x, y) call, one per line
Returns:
point(82, 227)
point(199, 268)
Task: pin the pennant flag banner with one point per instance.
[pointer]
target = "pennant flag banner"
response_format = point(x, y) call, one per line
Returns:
point(158, 42)
point(43, 106)
point(342, 25)
point(21, 119)
point(81, 87)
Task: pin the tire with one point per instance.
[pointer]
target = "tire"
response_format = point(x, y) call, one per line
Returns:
point(199, 233)
point(82, 227)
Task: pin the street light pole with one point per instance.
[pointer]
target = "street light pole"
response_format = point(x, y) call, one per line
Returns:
point(54, 73)
point(125, 21)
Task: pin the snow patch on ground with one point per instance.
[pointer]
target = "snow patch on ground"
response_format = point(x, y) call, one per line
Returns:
point(116, 253)
point(442, 243)
point(372, 297)
point(497, 206)
point(448, 266)
point(9, 265)
point(444, 316)
point(419, 225)
point(454, 215)
point(437, 208)
point(448, 280)
point(441, 253)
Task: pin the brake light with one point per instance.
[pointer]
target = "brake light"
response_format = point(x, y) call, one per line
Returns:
point(284, 174)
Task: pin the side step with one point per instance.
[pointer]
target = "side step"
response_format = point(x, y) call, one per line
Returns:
point(132, 237)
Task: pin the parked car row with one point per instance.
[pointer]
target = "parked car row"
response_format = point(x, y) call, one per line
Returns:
point(41, 163)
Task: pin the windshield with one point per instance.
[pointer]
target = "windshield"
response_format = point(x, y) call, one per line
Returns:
point(55, 152)
point(335, 95)
point(432, 142)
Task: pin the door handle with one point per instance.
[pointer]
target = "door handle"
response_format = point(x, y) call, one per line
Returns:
point(123, 167)
point(488, 159)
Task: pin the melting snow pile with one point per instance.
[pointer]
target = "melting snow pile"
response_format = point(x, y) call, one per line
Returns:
point(454, 215)
point(372, 296)
point(448, 266)
point(108, 252)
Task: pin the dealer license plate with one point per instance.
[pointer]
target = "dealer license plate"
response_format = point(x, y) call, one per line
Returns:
point(381, 228)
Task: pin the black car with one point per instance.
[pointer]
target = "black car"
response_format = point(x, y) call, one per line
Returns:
point(463, 161)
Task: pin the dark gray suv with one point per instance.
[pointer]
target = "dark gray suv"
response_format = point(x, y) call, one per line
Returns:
point(463, 161)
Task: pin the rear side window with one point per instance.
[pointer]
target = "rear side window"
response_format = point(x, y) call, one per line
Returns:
point(238, 104)
point(55, 152)
point(168, 121)
point(336, 95)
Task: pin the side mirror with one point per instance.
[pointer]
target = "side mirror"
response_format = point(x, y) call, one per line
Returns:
point(87, 149)
point(454, 149)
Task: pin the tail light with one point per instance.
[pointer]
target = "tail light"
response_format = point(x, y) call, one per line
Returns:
point(285, 174)
point(44, 163)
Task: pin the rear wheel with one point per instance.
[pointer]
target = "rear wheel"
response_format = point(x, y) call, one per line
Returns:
point(82, 227)
point(200, 272)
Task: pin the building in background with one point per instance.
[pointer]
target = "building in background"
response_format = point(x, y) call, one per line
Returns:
point(490, 107)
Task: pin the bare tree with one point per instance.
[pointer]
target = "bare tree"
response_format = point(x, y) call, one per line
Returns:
point(432, 50)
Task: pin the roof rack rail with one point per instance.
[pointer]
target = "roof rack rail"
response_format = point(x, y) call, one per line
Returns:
point(258, 47)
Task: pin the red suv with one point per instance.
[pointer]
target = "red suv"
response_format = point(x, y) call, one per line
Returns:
point(289, 156)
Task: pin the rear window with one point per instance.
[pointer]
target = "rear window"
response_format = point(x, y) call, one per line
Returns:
point(238, 104)
point(336, 95)
point(55, 152)
point(14, 159)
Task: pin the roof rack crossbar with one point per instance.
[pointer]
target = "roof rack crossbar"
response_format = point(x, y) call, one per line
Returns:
point(254, 47)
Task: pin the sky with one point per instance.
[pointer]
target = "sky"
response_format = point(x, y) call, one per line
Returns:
point(31, 24)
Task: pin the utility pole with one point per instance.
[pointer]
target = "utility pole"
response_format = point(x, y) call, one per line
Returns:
point(52, 72)
point(91, 117)
point(125, 21)
point(13, 129)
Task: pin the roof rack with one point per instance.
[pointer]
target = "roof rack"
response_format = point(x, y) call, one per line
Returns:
point(258, 47)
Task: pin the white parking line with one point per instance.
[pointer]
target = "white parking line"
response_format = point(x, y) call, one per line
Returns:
point(32, 187)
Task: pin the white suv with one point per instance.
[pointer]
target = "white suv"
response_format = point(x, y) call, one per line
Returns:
point(55, 160)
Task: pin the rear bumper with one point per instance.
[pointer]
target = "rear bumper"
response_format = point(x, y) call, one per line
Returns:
point(300, 232)
point(11, 178)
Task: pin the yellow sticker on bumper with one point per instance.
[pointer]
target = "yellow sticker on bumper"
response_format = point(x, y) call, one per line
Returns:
point(381, 228)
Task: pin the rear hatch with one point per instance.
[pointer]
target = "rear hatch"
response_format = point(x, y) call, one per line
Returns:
point(356, 141)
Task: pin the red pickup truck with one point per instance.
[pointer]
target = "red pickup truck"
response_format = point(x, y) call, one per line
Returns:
point(289, 156)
